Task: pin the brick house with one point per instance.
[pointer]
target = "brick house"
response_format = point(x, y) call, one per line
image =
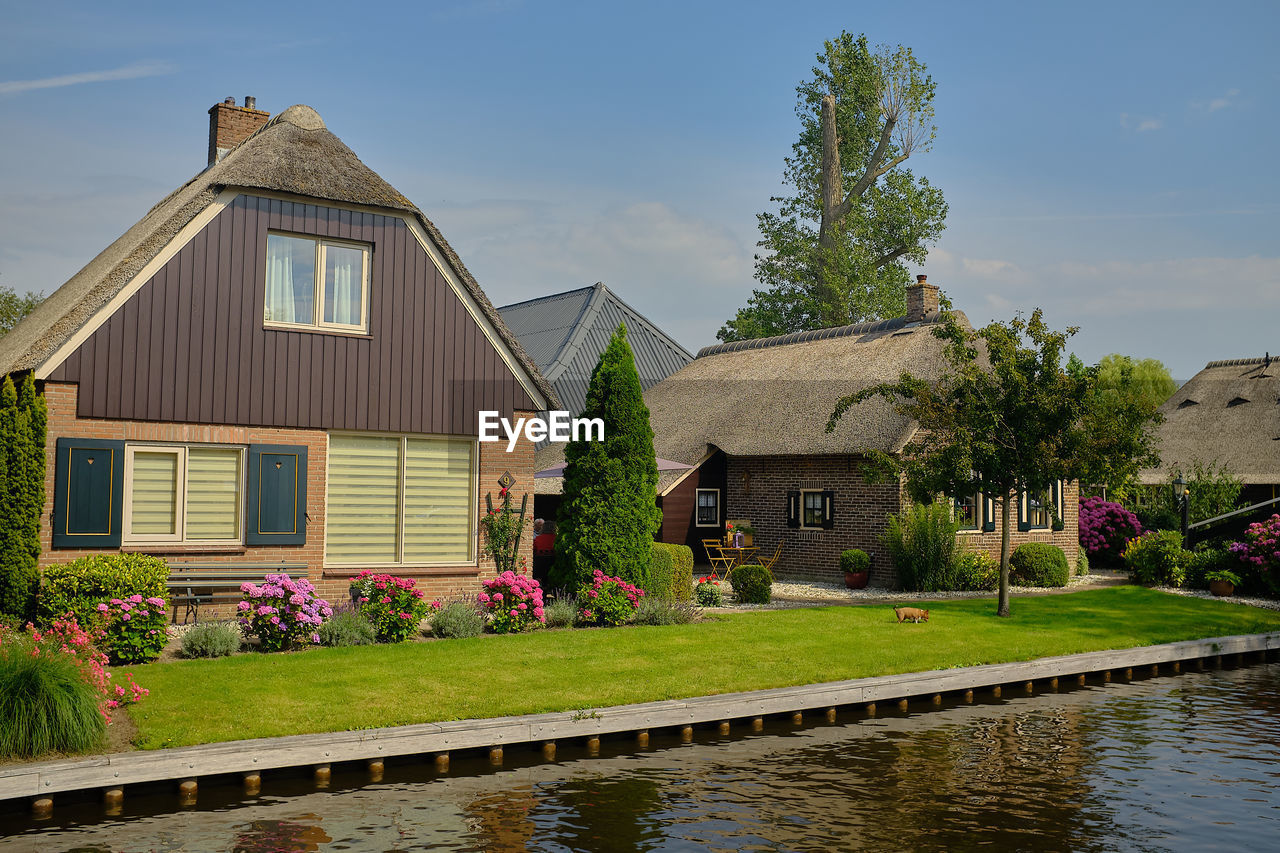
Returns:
point(750, 417)
point(282, 362)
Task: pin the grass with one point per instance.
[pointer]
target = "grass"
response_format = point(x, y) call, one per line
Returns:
point(342, 689)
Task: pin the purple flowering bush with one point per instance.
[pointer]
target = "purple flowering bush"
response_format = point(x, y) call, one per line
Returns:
point(1259, 552)
point(1105, 528)
point(282, 612)
point(608, 601)
point(133, 628)
point(513, 603)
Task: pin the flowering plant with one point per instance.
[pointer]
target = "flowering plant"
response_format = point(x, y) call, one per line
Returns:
point(391, 605)
point(608, 601)
point(282, 611)
point(1259, 551)
point(502, 530)
point(708, 592)
point(513, 602)
point(66, 637)
point(1105, 528)
point(134, 630)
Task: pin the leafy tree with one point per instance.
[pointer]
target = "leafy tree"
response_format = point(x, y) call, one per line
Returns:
point(1147, 380)
point(609, 511)
point(23, 420)
point(1214, 490)
point(14, 307)
point(1120, 419)
point(835, 251)
point(1005, 416)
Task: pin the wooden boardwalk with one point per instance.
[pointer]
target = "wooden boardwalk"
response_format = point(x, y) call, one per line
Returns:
point(435, 741)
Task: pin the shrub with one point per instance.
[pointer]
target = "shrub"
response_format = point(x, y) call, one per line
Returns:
point(1204, 559)
point(665, 611)
point(752, 584)
point(282, 612)
point(1082, 563)
point(23, 418)
point(348, 628)
point(457, 621)
point(213, 640)
point(976, 571)
point(1105, 528)
point(1039, 564)
point(46, 703)
point(78, 587)
point(708, 592)
point(923, 546)
point(609, 601)
point(514, 603)
point(1222, 575)
point(1259, 554)
point(670, 572)
point(391, 605)
point(133, 628)
point(561, 613)
point(1157, 558)
point(855, 560)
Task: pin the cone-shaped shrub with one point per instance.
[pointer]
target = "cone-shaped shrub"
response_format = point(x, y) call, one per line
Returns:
point(23, 419)
point(609, 512)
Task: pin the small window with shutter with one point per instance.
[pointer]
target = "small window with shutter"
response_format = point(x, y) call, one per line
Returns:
point(817, 509)
point(183, 494)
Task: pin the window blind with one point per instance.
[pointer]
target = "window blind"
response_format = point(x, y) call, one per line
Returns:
point(213, 502)
point(437, 500)
point(154, 497)
point(364, 499)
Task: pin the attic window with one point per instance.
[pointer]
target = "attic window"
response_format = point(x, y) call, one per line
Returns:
point(1185, 403)
point(317, 284)
point(1237, 402)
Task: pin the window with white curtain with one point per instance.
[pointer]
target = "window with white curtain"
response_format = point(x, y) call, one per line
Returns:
point(314, 283)
point(400, 500)
point(183, 494)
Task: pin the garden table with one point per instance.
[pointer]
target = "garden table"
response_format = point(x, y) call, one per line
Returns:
point(737, 555)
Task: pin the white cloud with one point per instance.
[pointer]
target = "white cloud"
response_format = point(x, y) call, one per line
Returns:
point(1227, 99)
point(1140, 124)
point(128, 72)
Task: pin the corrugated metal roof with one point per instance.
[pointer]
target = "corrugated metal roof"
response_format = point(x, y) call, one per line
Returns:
point(565, 333)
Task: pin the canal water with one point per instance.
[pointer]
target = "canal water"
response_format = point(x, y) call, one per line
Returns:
point(1188, 762)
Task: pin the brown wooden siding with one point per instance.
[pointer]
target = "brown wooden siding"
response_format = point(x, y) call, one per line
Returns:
point(190, 345)
point(679, 508)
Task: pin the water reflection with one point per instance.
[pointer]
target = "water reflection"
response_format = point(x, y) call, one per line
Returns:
point(1176, 763)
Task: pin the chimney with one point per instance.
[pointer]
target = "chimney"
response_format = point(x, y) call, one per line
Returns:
point(230, 125)
point(922, 300)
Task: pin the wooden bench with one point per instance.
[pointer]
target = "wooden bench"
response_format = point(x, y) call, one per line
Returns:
point(193, 584)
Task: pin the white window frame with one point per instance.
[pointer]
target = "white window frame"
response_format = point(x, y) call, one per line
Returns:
point(473, 523)
point(322, 243)
point(803, 494)
point(697, 506)
point(179, 536)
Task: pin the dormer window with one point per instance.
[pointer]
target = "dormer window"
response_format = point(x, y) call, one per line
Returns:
point(1187, 403)
point(1236, 401)
point(317, 284)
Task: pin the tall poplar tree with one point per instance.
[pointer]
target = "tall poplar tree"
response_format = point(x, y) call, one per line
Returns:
point(609, 511)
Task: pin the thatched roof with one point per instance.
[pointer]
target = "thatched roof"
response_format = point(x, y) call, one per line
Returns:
point(293, 153)
point(1229, 414)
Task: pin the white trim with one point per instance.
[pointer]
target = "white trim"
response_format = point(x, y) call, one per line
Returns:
point(179, 537)
point(697, 506)
point(115, 303)
point(678, 480)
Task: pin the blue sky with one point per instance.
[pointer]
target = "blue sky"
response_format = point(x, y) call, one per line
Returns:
point(1109, 162)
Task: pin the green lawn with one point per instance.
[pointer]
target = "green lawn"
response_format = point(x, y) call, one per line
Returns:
point(321, 690)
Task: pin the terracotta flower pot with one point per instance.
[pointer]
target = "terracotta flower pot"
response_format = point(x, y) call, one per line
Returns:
point(1221, 588)
point(856, 580)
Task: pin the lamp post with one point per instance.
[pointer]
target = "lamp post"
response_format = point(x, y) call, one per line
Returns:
point(1182, 501)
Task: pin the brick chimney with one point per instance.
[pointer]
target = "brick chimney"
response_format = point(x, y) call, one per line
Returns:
point(922, 299)
point(230, 125)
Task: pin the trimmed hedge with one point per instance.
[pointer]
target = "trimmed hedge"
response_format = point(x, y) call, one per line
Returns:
point(855, 560)
point(670, 572)
point(77, 587)
point(1039, 564)
point(752, 584)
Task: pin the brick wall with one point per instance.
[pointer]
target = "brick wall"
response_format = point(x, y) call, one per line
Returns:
point(436, 581)
point(757, 489)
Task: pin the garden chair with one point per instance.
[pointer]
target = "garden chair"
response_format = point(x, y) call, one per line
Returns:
point(719, 560)
point(768, 562)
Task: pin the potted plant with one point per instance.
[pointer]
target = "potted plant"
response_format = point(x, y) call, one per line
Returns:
point(856, 565)
point(1222, 582)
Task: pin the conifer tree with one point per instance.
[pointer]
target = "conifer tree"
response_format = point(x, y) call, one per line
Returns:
point(23, 423)
point(609, 511)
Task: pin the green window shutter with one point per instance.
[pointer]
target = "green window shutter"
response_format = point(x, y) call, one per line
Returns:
point(88, 493)
point(828, 510)
point(988, 513)
point(1024, 524)
point(276, 496)
point(793, 509)
point(1058, 523)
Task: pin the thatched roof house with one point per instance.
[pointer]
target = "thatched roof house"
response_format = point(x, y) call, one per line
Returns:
point(1227, 414)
